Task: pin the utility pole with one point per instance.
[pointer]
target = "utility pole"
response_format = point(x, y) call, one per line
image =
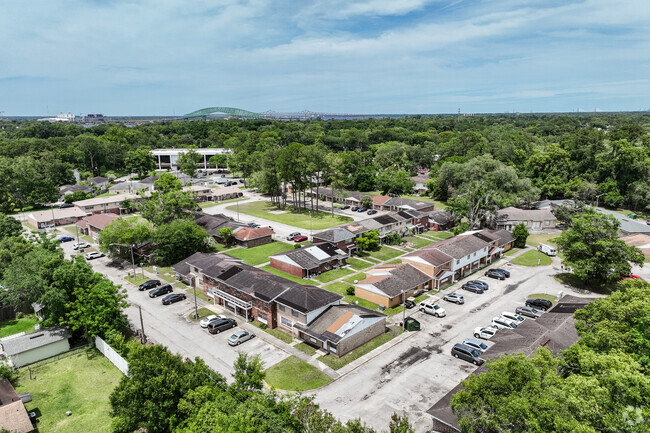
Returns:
point(196, 308)
point(142, 337)
point(133, 263)
point(403, 311)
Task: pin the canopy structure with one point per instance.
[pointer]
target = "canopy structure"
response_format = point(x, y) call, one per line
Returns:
point(236, 112)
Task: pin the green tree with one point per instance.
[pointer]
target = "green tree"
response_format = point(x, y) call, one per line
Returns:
point(179, 239)
point(118, 236)
point(366, 201)
point(9, 227)
point(219, 160)
point(188, 162)
point(368, 241)
point(400, 424)
point(592, 249)
point(76, 196)
point(140, 161)
point(167, 182)
point(520, 233)
point(249, 374)
point(227, 235)
point(394, 182)
point(164, 207)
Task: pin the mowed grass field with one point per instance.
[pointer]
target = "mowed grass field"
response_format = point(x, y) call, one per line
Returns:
point(77, 384)
point(258, 255)
point(294, 374)
point(14, 326)
point(319, 220)
point(529, 258)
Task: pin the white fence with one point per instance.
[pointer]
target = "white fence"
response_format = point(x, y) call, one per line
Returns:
point(112, 355)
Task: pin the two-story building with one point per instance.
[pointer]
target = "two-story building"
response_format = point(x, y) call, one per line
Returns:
point(107, 204)
point(340, 237)
point(93, 225)
point(308, 261)
point(389, 285)
point(535, 220)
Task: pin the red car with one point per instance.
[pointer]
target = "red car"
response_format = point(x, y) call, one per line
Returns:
point(632, 276)
point(300, 238)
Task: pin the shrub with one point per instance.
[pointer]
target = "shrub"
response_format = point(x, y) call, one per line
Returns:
point(350, 291)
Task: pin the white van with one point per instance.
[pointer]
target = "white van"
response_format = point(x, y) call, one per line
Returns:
point(547, 249)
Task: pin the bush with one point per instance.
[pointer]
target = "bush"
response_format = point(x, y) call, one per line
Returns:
point(8, 373)
point(349, 291)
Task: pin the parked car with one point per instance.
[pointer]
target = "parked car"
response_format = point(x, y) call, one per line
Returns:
point(542, 304)
point(66, 205)
point(173, 298)
point(239, 337)
point(503, 323)
point(632, 277)
point(293, 235)
point(372, 211)
point(345, 206)
point(472, 288)
point(547, 249)
point(513, 316)
point(504, 272)
point(300, 238)
point(493, 273)
point(93, 255)
point(410, 302)
point(211, 318)
point(253, 225)
point(354, 208)
point(479, 283)
point(433, 309)
point(476, 344)
point(485, 333)
point(456, 298)
point(66, 239)
point(528, 311)
point(80, 245)
point(467, 353)
point(361, 209)
point(149, 285)
point(163, 290)
point(217, 326)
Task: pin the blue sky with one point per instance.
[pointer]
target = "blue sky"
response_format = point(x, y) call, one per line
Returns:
point(163, 57)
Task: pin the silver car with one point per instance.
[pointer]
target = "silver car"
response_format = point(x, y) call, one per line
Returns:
point(239, 337)
point(476, 344)
point(454, 297)
point(529, 312)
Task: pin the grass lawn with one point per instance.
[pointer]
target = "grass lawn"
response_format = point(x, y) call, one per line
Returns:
point(280, 335)
point(190, 293)
point(400, 308)
point(268, 268)
point(529, 258)
point(164, 273)
point(77, 384)
point(546, 296)
point(139, 279)
point(386, 253)
point(394, 262)
point(203, 312)
point(354, 277)
point(309, 350)
point(439, 235)
point(418, 242)
point(337, 363)
point(341, 289)
point(535, 240)
point(106, 194)
point(332, 275)
point(647, 260)
point(319, 220)
point(294, 374)
point(14, 326)
point(357, 264)
point(512, 251)
point(258, 255)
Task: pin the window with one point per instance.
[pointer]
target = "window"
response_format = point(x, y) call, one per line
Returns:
point(333, 348)
point(547, 223)
point(262, 317)
point(281, 307)
point(475, 254)
point(294, 313)
point(286, 322)
point(266, 305)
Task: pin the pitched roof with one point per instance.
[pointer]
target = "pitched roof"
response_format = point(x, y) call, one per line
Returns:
point(111, 199)
point(47, 215)
point(515, 214)
point(100, 220)
point(390, 280)
point(23, 343)
point(312, 256)
point(409, 203)
point(431, 256)
point(459, 246)
point(13, 416)
point(249, 233)
point(307, 298)
point(213, 223)
point(422, 178)
point(341, 321)
point(150, 179)
point(226, 190)
point(380, 199)
point(98, 179)
point(66, 189)
point(336, 234)
point(441, 216)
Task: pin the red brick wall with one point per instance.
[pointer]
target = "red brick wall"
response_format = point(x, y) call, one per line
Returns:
point(296, 271)
point(258, 305)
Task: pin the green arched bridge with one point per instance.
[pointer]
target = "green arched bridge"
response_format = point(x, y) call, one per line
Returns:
point(236, 112)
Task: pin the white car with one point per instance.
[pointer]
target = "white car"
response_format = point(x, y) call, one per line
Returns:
point(204, 322)
point(485, 333)
point(80, 245)
point(512, 316)
point(93, 255)
point(434, 309)
point(503, 323)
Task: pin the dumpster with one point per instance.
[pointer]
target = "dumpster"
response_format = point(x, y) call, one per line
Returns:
point(412, 324)
point(631, 215)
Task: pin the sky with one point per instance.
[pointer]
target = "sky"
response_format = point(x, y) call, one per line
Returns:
point(164, 57)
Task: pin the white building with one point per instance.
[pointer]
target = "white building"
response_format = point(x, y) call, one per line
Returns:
point(168, 158)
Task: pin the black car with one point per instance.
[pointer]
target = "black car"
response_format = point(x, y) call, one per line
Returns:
point(542, 304)
point(66, 205)
point(149, 285)
point(372, 212)
point(473, 288)
point(344, 207)
point(361, 209)
point(253, 225)
point(354, 208)
point(503, 271)
point(480, 284)
point(409, 303)
point(493, 273)
point(174, 297)
point(167, 288)
point(217, 326)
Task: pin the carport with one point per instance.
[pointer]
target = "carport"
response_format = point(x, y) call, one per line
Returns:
point(231, 302)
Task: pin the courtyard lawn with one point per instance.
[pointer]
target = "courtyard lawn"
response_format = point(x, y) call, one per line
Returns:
point(268, 268)
point(294, 374)
point(439, 235)
point(529, 258)
point(337, 363)
point(260, 254)
point(280, 335)
point(139, 279)
point(164, 273)
point(512, 251)
point(309, 350)
point(341, 289)
point(394, 262)
point(418, 242)
point(357, 277)
point(14, 326)
point(77, 383)
point(203, 312)
point(358, 265)
point(535, 240)
point(332, 275)
point(386, 253)
point(320, 220)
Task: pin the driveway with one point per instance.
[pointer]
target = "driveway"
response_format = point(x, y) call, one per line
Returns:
point(413, 375)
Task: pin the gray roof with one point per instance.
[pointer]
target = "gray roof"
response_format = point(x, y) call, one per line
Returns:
point(401, 277)
point(150, 179)
point(24, 343)
point(337, 234)
point(68, 189)
point(628, 225)
point(337, 316)
point(98, 179)
point(431, 256)
point(307, 298)
point(312, 256)
point(460, 246)
point(213, 223)
point(515, 214)
point(441, 216)
point(409, 202)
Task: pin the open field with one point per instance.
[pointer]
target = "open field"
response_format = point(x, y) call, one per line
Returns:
point(258, 255)
point(294, 374)
point(529, 258)
point(319, 220)
point(336, 363)
point(80, 384)
point(14, 326)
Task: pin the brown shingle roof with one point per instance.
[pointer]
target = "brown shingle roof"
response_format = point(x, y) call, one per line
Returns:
point(100, 220)
point(248, 233)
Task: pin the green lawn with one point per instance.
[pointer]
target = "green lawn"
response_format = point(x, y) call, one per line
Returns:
point(386, 253)
point(341, 289)
point(319, 220)
point(77, 384)
point(440, 235)
point(357, 264)
point(268, 268)
point(400, 308)
point(332, 275)
point(418, 242)
point(357, 277)
point(512, 251)
point(309, 350)
point(164, 273)
point(190, 292)
point(535, 240)
point(294, 374)
point(546, 296)
point(258, 255)
point(280, 335)
point(529, 258)
point(394, 262)
point(337, 363)
point(14, 326)
point(203, 312)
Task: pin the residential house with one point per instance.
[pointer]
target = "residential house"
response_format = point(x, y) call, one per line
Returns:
point(69, 189)
point(340, 237)
point(106, 204)
point(94, 224)
point(226, 193)
point(13, 415)
point(99, 182)
point(310, 260)
point(55, 217)
point(342, 328)
point(201, 193)
point(504, 239)
point(244, 235)
point(535, 220)
point(420, 186)
point(441, 220)
point(436, 264)
point(469, 253)
point(252, 237)
point(640, 241)
point(27, 349)
point(254, 293)
point(552, 204)
point(130, 187)
point(628, 226)
point(390, 285)
point(149, 180)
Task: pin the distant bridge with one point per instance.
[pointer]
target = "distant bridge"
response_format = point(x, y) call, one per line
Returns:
point(235, 112)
